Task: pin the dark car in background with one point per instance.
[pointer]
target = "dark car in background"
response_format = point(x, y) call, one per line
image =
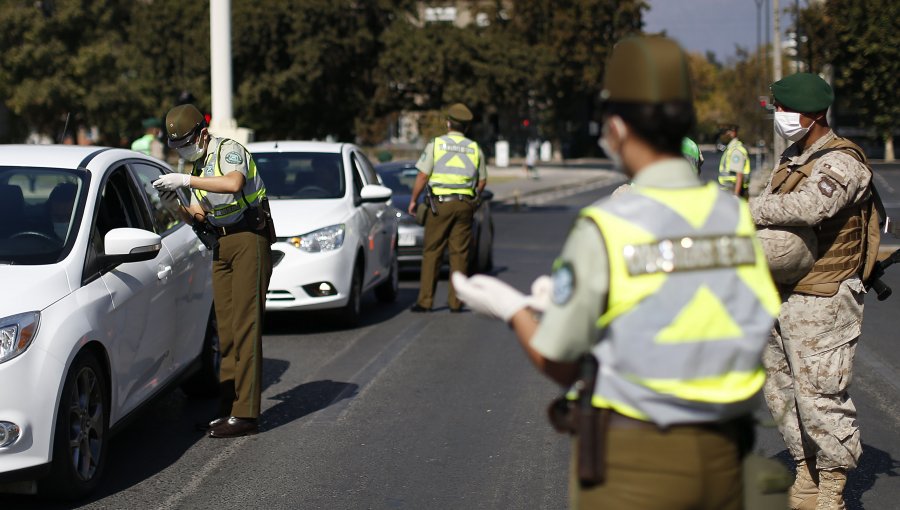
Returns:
point(400, 177)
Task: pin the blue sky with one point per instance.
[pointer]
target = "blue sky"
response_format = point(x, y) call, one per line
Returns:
point(714, 25)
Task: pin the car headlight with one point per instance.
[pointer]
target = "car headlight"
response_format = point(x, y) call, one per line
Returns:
point(324, 239)
point(16, 334)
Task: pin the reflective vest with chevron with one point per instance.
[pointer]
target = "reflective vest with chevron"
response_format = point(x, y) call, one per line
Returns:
point(456, 160)
point(690, 306)
point(727, 176)
point(224, 208)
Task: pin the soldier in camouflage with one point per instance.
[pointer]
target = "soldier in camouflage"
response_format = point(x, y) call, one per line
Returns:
point(822, 182)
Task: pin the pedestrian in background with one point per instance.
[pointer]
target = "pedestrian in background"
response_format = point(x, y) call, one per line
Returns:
point(822, 181)
point(453, 168)
point(734, 167)
point(531, 157)
point(150, 143)
point(676, 332)
point(229, 195)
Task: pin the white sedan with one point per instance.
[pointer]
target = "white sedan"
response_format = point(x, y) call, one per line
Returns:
point(107, 302)
point(337, 234)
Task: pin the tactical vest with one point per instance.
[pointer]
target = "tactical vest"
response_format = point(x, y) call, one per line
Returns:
point(727, 177)
point(848, 241)
point(143, 143)
point(690, 306)
point(456, 160)
point(225, 208)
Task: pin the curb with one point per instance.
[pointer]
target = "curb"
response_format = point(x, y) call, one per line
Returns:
point(516, 195)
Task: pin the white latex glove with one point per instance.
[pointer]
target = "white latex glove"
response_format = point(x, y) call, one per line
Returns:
point(488, 295)
point(171, 182)
point(541, 293)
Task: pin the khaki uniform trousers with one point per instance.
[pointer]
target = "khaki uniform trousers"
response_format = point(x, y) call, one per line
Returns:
point(451, 227)
point(684, 467)
point(242, 267)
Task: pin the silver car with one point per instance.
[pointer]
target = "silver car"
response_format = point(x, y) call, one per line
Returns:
point(400, 177)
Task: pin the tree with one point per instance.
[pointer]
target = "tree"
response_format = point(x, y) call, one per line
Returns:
point(864, 51)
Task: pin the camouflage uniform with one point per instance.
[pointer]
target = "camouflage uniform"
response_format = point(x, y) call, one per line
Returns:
point(809, 358)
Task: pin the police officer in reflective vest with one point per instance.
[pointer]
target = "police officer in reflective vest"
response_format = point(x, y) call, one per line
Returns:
point(149, 144)
point(453, 167)
point(823, 182)
point(734, 167)
point(229, 195)
point(666, 289)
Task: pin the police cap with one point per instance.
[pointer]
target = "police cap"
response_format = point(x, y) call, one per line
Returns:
point(803, 92)
point(151, 122)
point(182, 122)
point(646, 69)
point(459, 113)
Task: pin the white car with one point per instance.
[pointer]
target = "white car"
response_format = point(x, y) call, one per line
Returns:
point(107, 302)
point(337, 233)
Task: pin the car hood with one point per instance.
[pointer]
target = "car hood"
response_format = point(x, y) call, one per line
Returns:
point(296, 217)
point(31, 288)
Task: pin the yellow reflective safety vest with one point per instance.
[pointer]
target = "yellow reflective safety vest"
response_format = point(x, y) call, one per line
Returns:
point(734, 153)
point(690, 306)
point(456, 160)
point(226, 208)
point(143, 143)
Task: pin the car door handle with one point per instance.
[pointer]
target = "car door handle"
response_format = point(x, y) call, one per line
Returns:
point(163, 272)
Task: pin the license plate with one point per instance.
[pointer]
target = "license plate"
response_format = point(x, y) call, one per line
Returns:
point(407, 240)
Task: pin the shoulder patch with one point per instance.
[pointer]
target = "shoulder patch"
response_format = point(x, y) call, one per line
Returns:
point(234, 157)
point(827, 186)
point(563, 283)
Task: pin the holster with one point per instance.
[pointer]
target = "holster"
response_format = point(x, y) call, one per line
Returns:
point(206, 234)
point(588, 423)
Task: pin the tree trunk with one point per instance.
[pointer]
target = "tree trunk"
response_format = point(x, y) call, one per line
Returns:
point(889, 148)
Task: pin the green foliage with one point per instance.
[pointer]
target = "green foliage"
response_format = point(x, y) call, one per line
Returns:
point(308, 69)
point(865, 51)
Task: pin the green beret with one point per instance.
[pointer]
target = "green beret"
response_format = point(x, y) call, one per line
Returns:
point(151, 123)
point(803, 92)
point(650, 69)
point(459, 113)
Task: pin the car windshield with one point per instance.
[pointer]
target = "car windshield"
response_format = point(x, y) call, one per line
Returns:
point(301, 175)
point(400, 180)
point(39, 213)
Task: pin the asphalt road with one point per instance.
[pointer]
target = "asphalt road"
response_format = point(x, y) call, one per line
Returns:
point(440, 411)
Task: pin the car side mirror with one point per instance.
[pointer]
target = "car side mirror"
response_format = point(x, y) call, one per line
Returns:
point(375, 193)
point(123, 245)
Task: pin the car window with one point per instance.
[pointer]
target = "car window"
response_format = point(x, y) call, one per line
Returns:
point(301, 175)
point(400, 180)
point(164, 206)
point(365, 168)
point(41, 210)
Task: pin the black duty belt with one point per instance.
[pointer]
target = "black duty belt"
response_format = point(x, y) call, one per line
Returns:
point(452, 197)
point(240, 226)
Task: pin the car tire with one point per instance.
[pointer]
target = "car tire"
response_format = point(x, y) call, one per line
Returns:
point(205, 382)
point(387, 291)
point(80, 439)
point(352, 311)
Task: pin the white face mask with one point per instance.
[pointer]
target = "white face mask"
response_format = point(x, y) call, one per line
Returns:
point(787, 125)
point(614, 156)
point(191, 152)
point(60, 228)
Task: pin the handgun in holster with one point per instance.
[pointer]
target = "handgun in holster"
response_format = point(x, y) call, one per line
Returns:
point(590, 424)
point(429, 198)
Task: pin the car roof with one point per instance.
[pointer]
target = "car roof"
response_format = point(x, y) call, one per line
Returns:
point(62, 156)
point(396, 165)
point(296, 146)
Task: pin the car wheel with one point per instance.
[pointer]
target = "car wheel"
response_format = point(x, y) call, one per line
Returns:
point(205, 382)
point(80, 438)
point(387, 292)
point(352, 311)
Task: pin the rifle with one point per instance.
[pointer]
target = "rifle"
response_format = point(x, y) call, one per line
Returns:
point(874, 282)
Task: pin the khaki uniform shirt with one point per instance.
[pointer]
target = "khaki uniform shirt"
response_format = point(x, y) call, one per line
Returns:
point(232, 158)
point(568, 328)
point(426, 160)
